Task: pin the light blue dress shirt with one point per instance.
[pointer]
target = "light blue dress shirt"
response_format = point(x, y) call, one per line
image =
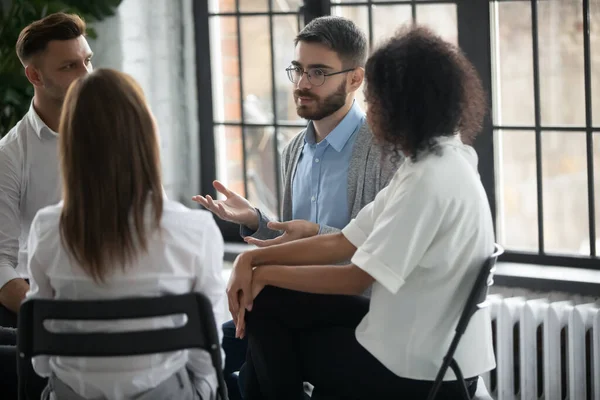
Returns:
point(320, 183)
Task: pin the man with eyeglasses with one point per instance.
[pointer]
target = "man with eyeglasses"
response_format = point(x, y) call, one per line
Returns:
point(331, 169)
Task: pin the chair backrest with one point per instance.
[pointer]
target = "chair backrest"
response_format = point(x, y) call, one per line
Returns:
point(475, 301)
point(479, 291)
point(199, 331)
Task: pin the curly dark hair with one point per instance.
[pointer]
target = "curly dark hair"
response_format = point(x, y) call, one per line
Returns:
point(420, 87)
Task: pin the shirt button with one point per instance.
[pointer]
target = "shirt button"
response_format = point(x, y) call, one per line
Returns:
point(317, 160)
point(312, 199)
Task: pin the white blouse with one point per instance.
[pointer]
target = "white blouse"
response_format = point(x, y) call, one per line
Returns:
point(424, 239)
point(186, 255)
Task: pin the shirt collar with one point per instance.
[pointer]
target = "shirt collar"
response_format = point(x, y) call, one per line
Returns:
point(452, 140)
point(339, 136)
point(37, 123)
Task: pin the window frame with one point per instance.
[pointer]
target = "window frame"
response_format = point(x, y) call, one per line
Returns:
point(474, 23)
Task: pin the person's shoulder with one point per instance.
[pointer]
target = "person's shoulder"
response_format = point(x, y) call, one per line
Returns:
point(366, 143)
point(192, 230)
point(10, 144)
point(179, 217)
point(179, 213)
point(50, 212)
point(446, 172)
point(47, 218)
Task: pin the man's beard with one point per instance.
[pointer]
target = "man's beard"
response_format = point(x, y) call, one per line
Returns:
point(322, 107)
point(53, 91)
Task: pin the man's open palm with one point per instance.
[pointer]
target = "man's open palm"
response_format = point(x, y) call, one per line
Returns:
point(234, 208)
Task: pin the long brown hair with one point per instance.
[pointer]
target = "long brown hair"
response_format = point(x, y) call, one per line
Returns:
point(110, 165)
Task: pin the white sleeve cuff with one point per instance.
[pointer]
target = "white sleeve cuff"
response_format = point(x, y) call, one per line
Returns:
point(7, 273)
point(378, 270)
point(354, 234)
point(41, 366)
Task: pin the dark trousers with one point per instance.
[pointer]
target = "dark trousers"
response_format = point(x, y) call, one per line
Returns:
point(295, 337)
point(8, 319)
point(8, 361)
point(235, 357)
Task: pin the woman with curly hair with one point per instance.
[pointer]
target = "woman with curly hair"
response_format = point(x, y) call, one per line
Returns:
point(420, 243)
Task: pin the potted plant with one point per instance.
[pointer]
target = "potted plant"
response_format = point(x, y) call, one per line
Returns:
point(15, 90)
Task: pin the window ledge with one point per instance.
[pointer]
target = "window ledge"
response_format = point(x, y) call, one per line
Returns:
point(545, 278)
point(233, 249)
point(585, 282)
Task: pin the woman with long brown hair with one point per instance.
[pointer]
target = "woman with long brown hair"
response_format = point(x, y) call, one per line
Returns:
point(116, 235)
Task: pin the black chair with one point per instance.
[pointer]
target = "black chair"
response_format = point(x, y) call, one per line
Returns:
point(475, 301)
point(199, 332)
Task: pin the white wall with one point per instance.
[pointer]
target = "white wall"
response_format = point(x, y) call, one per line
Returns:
point(152, 40)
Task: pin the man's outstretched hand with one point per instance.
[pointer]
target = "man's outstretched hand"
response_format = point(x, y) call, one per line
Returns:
point(234, 208)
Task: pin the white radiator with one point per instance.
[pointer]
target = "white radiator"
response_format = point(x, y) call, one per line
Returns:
point(544, 350)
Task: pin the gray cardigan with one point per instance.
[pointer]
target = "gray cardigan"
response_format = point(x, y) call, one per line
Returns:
point(369, 172)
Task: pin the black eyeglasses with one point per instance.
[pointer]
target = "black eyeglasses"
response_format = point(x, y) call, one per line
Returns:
point(316, 76)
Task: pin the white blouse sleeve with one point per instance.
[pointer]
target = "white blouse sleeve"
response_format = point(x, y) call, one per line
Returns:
point(361, 226)
point(401, 232)
point(39, 284)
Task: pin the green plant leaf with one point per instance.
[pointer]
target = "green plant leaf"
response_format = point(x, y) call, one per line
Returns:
point(15, 90)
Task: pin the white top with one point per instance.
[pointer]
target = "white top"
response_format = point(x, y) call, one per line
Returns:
point(29, 180)
point(424, 239)
point(188, 257)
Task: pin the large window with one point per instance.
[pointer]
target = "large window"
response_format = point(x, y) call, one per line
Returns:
point(546, 139)
point(538, 149)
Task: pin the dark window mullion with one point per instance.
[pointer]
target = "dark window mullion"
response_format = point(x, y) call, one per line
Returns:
point(538, 131)
point(413, 10)
point(205, 114)
point(588, 124)
point(474, 39)
point(315, 8)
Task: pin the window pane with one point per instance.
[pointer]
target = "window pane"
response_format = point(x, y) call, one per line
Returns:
point(230, 170)
point(256, 70)
point(285, 29)
point(513, 63)
point(562, 88)
point(288, 5)
point(516, 191)
point(360, 16)
point(566, 217)
point(286, 135)
point(389, 19)
point(225, 73)
point(221, 6)
point(261, 173)
point(254, 5)
point(441, 18)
